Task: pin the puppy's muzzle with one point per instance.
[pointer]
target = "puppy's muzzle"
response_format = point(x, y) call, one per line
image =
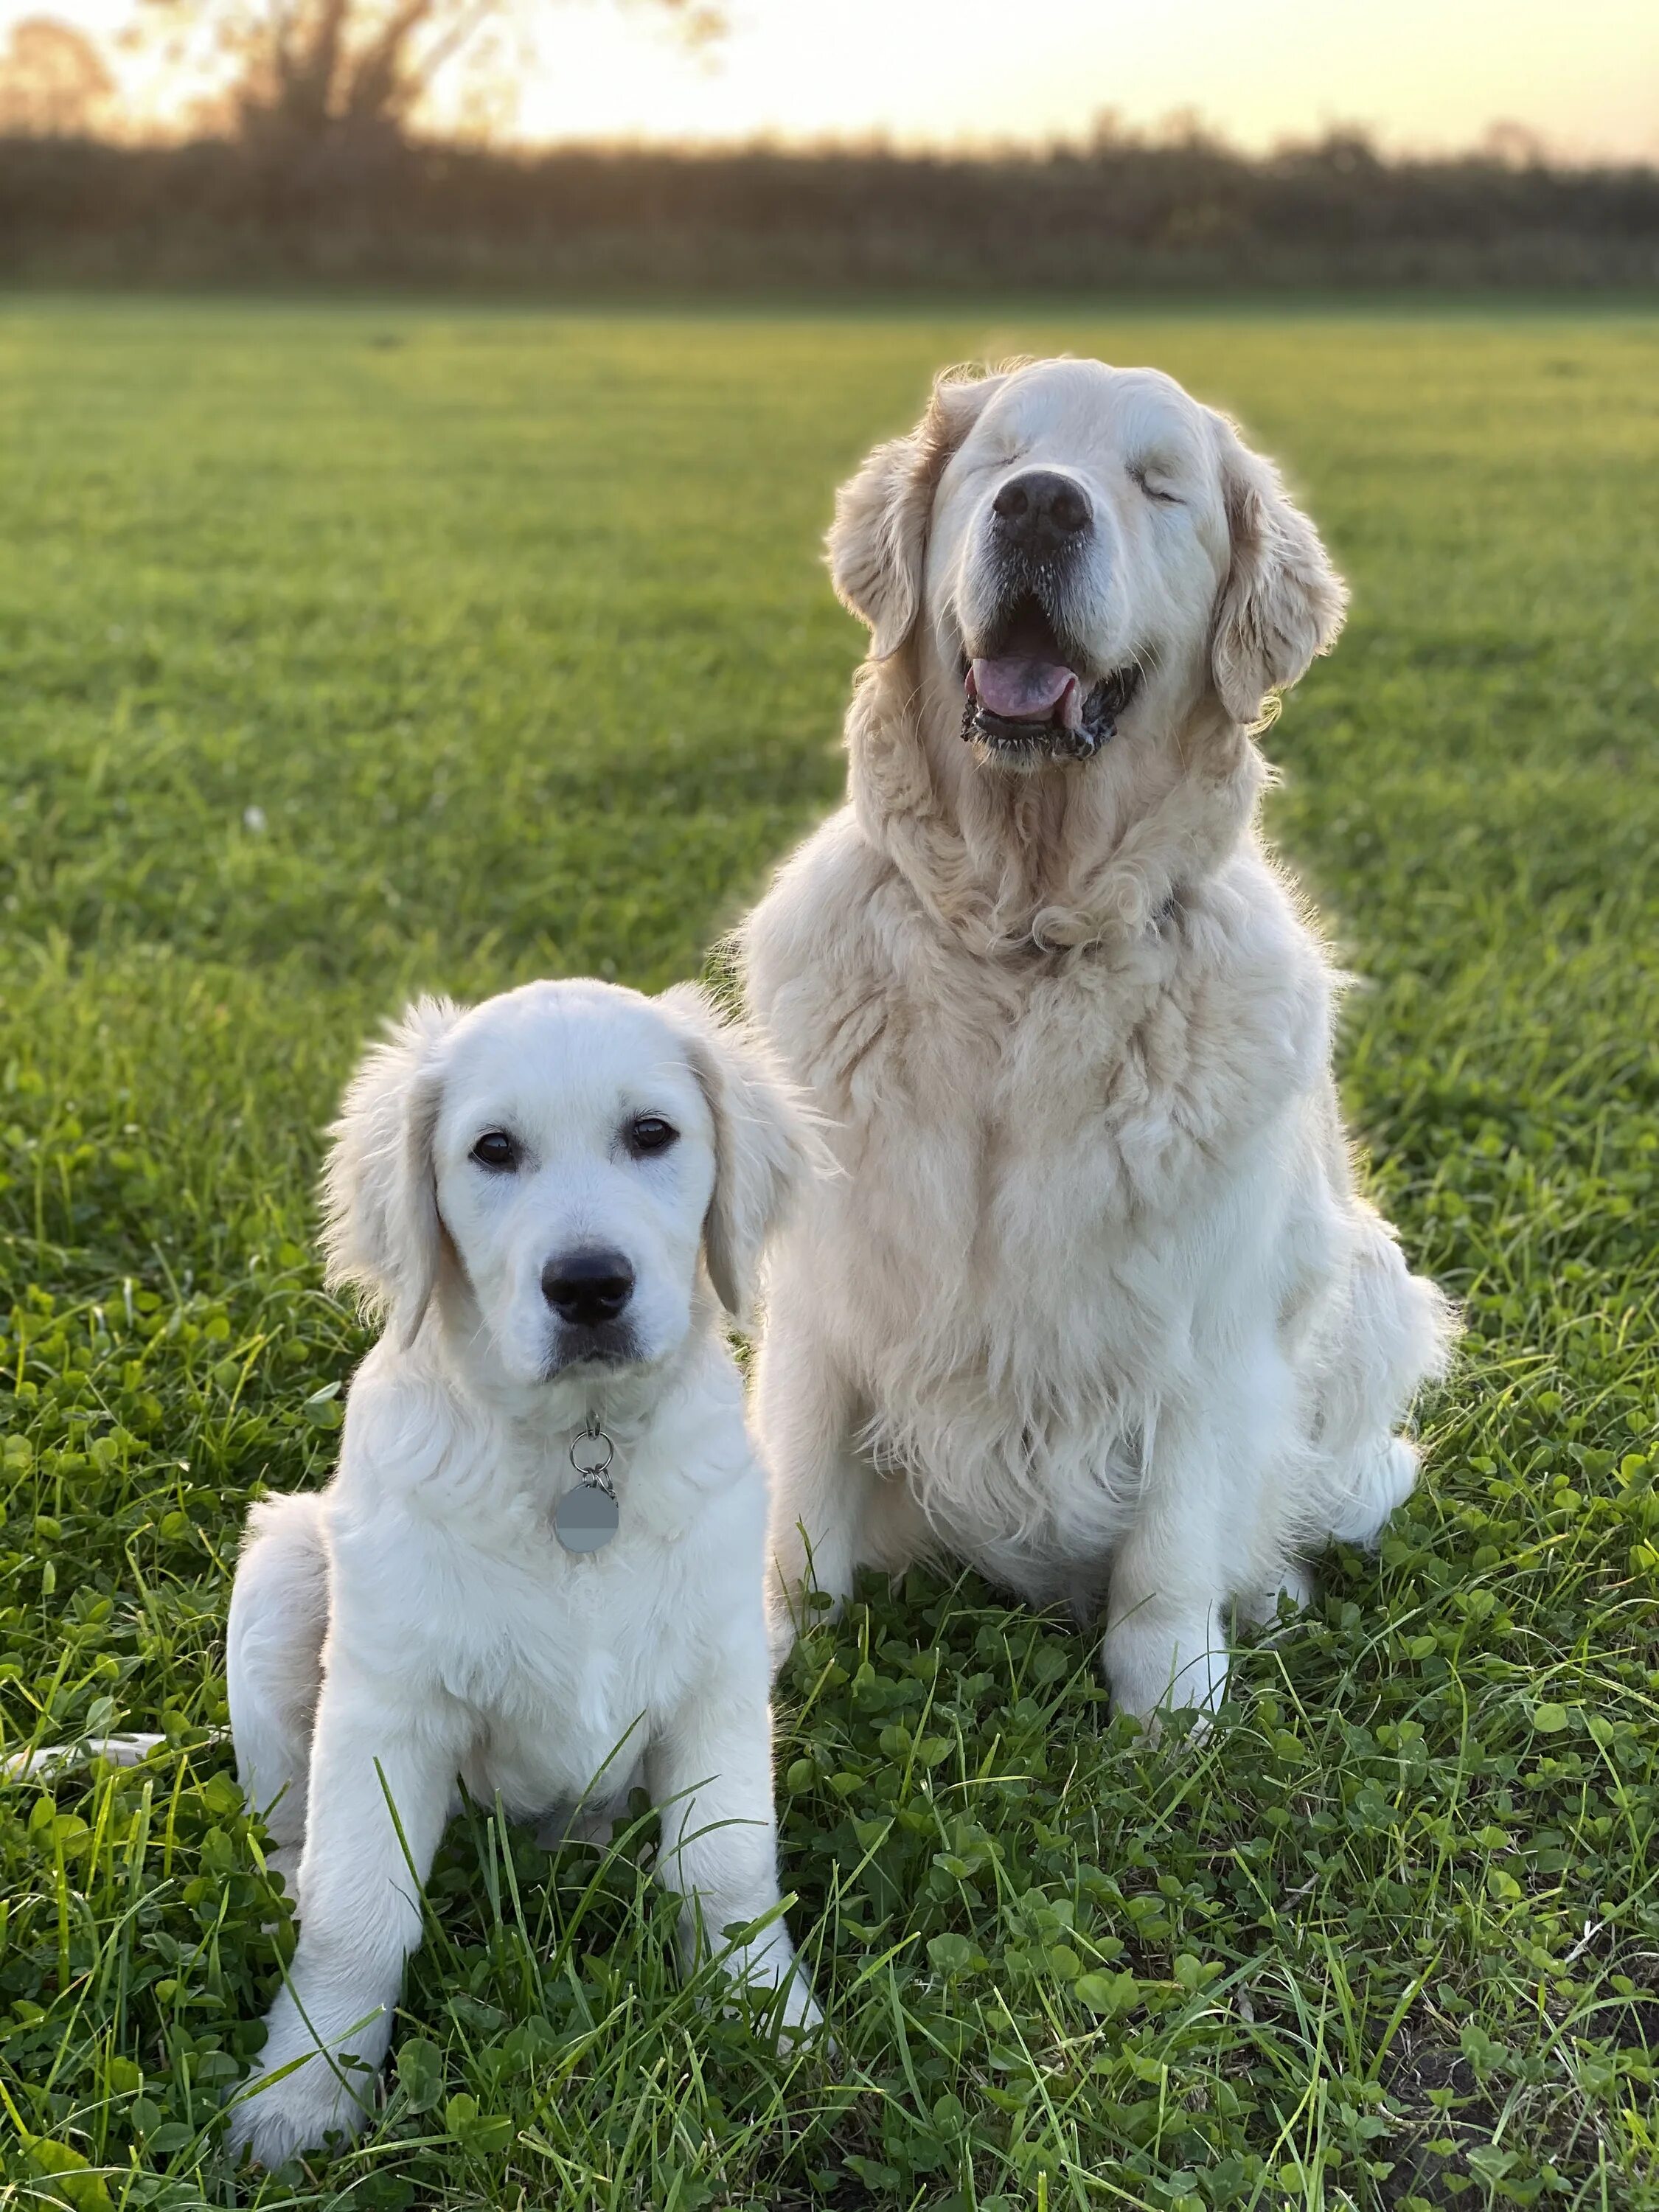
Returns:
point(590, 1291)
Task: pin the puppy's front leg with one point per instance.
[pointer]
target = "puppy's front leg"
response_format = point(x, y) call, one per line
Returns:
point(709, 1771)
point(361, 1914)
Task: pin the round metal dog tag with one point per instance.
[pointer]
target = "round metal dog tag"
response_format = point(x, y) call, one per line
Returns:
point(586, 1518)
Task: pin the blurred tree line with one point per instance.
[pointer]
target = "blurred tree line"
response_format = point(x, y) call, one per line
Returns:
point(311, 168)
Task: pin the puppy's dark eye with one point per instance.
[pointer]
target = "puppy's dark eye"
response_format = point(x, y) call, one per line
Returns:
point(496, 1150)
point(648, 1133)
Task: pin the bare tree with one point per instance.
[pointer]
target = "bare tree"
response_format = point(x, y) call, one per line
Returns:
point(53, 83)
point(307, 71)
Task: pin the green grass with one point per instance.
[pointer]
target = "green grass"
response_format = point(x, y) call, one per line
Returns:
point(345, 650)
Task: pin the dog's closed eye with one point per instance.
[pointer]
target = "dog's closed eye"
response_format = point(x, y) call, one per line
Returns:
point(1149, 476)
point(649, 1133)
point(497, 1151)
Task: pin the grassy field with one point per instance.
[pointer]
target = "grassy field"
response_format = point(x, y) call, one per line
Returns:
point(345, 650)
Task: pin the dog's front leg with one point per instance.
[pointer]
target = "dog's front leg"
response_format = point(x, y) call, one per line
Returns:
point(806, 1414)
point(709, 1771)
point(360, 1882)
point(1165, 1643)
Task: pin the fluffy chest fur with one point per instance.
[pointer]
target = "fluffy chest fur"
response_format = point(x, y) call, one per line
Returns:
point(1069, 1174)
point(449, 1582)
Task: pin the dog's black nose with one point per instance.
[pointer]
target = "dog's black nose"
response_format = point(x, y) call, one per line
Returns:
point(587, 1288)
point(1040, 511)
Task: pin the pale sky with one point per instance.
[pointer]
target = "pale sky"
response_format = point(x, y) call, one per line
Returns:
point(1420, 73)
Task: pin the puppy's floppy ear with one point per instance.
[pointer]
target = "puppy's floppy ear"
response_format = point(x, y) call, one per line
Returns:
point(382, 1233)
point(1283, 602)
point(764, 1148)
point(879, 540)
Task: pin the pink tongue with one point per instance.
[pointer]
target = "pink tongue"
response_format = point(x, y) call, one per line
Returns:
point(1027, 691)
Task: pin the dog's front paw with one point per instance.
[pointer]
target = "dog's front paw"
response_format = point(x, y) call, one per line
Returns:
point(1154, 1667)
point(273, 2121)
point(1259, 1608)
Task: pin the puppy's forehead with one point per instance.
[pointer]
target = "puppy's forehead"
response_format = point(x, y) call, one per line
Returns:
point(1078, 408)
point(553, 1051)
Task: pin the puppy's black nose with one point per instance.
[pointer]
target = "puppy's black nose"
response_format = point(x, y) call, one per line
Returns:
point(587, 1288)
point(1040, 511)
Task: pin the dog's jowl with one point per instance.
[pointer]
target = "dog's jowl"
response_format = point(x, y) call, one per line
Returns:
point(539, 1567)
point(1096, 1303)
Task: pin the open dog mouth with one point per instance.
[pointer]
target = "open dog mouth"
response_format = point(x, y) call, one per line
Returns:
point(1026, 698)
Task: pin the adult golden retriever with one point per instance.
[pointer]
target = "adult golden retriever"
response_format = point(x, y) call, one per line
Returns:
point(1096, 1303)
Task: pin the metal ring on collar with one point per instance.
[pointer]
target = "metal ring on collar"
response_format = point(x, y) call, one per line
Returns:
point(598, 1461)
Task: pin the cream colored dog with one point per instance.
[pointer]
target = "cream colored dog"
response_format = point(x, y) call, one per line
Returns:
point(551, 1198)
point(1097, 1304)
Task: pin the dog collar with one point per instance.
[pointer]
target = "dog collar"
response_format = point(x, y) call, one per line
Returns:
point(587, 1516)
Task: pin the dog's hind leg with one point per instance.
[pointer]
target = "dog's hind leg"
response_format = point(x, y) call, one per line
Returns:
point(1371, 1484)
point(278, 1618)
point(1396, 1332)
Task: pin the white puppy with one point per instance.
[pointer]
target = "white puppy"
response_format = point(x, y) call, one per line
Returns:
point(1098, 1304)
point(549, 1199)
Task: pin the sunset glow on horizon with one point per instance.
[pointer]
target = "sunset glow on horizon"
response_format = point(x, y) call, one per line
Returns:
point(1420, 74)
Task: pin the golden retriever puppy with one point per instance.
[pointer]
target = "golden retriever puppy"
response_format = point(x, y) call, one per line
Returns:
point(541, 1561)
point(1097, 1304)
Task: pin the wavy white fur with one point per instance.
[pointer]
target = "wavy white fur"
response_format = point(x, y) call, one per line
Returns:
point(1097, 1304)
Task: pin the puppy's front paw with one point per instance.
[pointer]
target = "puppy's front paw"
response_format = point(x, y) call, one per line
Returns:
point(273, 2121)
point(801, 2013)
point(778, 1980)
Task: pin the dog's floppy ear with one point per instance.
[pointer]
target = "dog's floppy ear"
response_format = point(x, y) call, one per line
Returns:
point(764, 1148)
point(382, 1233)
point(879, 540)
point(1283, 602)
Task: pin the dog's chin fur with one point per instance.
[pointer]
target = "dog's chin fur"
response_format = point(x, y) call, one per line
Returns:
point(596, 1367)
point(1016, 762)
point(1097, 1304)
point(1017, 851)
point(615, 1374)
